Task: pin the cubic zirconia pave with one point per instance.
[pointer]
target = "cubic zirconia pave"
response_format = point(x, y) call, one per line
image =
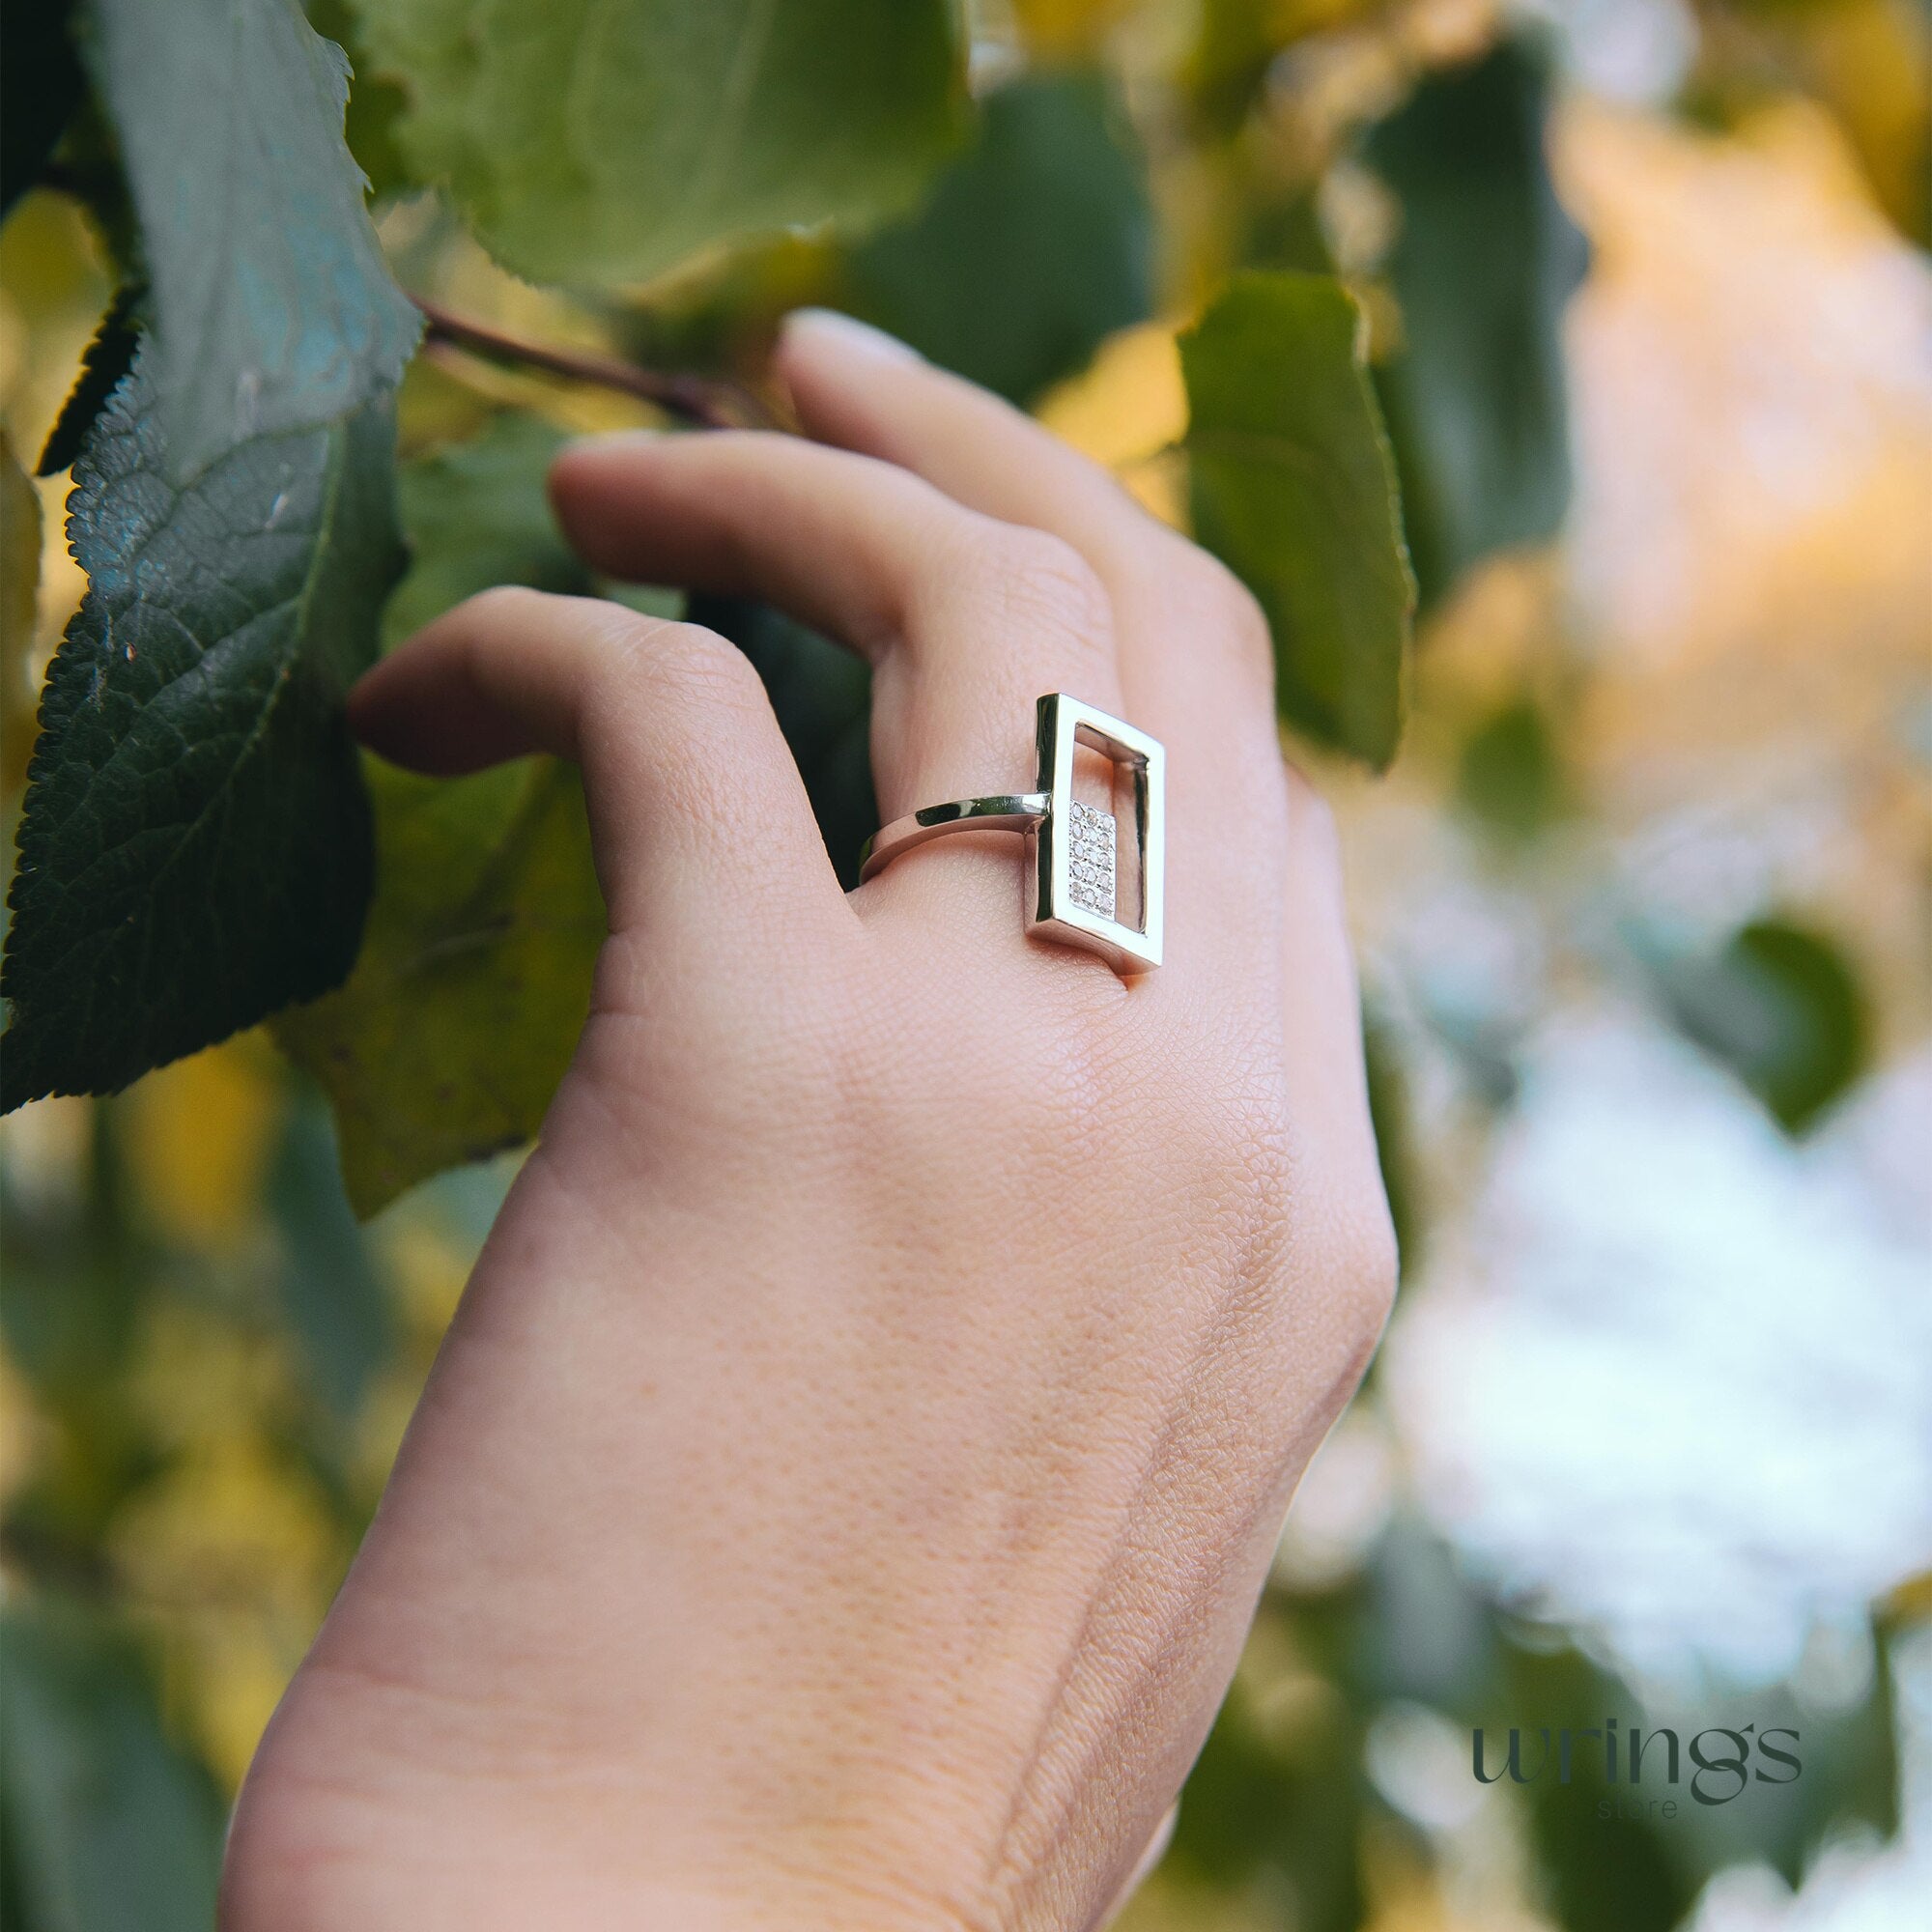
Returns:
point(1089, 855)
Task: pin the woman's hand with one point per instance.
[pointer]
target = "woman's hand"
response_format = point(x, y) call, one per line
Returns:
point(846, 1482)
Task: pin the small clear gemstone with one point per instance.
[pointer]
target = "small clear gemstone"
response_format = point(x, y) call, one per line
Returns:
point(1089, 847)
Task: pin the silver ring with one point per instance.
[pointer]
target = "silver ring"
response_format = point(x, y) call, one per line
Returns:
point(1072, 847)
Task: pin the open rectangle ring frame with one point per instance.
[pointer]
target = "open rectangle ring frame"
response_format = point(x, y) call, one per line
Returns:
point(1063, 723)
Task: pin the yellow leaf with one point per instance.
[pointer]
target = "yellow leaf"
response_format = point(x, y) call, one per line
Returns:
point(1060, 27)
point(1873, 63)
point(20, 1429)
point(1130, 402)
point(53, 286)
point(232, 1552)
point(19, 601)
point(1129, 410)
point(201, 1134)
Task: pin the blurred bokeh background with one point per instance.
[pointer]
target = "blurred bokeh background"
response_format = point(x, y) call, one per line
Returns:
point(1644, 911)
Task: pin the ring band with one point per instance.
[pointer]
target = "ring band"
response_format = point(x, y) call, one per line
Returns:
point(1072, 846)
point(1004, 812)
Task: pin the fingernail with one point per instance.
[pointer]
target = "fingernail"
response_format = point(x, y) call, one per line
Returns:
point(859, 336)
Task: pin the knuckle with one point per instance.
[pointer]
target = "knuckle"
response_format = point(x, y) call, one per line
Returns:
point(628, 640)
point(1044, 584)
point(710, 669)
point(684, 663)
point(691, 693)
point(1249, 1134)
point(1295, 1212)
point(492, 625)
point(1233, 612)
point(1231, 1119)
point(504, 616)
point(1367, 1266)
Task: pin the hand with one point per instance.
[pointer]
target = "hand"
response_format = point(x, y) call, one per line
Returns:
point(847, 1481)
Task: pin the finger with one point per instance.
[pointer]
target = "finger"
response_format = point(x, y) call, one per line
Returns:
point(1193, 656)
point(966, 619)
point(859, 389)
point(692, 795)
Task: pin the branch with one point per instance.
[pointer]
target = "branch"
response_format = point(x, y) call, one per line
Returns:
point(701, 400)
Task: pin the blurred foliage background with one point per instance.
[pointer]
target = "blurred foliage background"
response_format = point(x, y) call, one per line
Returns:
point(1644, 908)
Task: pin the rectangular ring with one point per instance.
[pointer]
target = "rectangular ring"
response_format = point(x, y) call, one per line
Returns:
point(1071, 885)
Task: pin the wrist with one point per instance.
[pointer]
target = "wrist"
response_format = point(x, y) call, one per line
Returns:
point(268, 1895)
point(311, 1860)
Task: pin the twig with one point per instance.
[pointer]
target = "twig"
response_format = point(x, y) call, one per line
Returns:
point(702, 400)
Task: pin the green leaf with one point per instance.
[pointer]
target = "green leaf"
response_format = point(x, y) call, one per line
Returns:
point(822, 694)
point(76, 1269)
point(1033, 245)
point(40, 85)
point(476, 515)
point(607, 140)
point(1226, 69)
point(474, 978)
point(90, 173)
point(1294, 489)
point(1276, 1803)
point(473, 982)
point(1426, 1636)
point(273, 308)
point(1605, 1874)
point(194, 850)
point(1483, 267)
point(109, 356)
point(1782, 1006)
point(1511, 777)
point(106, 1823)
point(1849, 1783)
point(375, 104)
point(1281, 228)
point(1391, 1112)
point(332, 1293)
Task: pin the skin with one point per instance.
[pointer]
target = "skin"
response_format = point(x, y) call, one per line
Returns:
point(847, 1481)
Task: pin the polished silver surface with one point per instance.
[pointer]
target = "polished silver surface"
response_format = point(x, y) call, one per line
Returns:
point(1004, 812)
point(1072, 846)
point(1058, 911)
